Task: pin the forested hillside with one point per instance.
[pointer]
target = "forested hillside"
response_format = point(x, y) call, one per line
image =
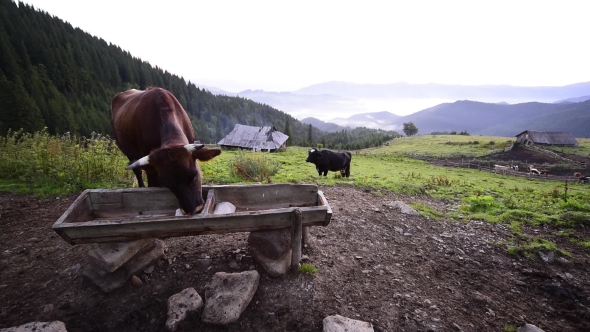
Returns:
point(503, 120)
point(56, 76)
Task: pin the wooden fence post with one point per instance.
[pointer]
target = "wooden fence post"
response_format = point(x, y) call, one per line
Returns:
point(296, 231)
point(305, 239)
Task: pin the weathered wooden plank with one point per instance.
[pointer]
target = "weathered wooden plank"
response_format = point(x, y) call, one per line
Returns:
point(147, 226)
point(296, 229)
point(105, 196)
point(322, 201)
point(150, 212)
point(209, 203)
point(271, 196)
point(78, 211)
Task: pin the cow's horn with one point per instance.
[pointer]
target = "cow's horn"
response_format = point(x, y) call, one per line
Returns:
point(193, 147)
point(140, 162)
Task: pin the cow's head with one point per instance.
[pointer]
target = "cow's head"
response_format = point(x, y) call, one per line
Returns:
point(313, 155)
point(178, 170)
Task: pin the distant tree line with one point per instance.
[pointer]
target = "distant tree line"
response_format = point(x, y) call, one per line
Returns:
point(358, 138)
point(464, 133)
point(56, 76)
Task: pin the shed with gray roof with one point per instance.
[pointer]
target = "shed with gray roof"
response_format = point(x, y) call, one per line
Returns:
point(254, 138)
point(558, 138)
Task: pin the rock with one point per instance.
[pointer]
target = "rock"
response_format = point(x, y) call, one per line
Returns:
point(529, 328)
point(224, 208)
point(203, 262)
point(228, 295)
point(547, 257)
point(398, 229)
point(234, 265)
point(149, 270)
point(273, 244)
point(404, 208)
point(109, 281)
point(110, 256)
point(520, 283)
point(55, 326)
point(180, 304)
point(136, 281)
point(337, 323)
point(274, 267)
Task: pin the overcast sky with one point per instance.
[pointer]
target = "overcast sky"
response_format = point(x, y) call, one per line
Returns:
point(287, 45)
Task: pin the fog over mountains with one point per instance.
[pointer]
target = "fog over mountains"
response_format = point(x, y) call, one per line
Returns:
point(486, 109)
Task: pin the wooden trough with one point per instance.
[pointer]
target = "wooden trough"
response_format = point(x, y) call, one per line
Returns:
point(119, 215)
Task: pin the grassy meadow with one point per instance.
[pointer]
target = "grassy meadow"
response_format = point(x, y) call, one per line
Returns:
point(582, 150)
point(46, 164)
point(445, 145)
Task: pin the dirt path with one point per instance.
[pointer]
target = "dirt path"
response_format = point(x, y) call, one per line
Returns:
point(399, 272)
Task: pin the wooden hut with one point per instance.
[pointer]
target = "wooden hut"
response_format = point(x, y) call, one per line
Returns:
point(254, 138)
point(556, 138)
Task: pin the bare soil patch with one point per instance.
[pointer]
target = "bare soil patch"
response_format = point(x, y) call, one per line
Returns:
point(399, 272)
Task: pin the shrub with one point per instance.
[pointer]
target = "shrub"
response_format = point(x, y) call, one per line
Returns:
point(253, 167)
point(67, 162)
point(481, 203)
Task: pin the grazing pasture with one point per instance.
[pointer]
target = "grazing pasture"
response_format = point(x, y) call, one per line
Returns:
point(44, 163)
point(447, 146)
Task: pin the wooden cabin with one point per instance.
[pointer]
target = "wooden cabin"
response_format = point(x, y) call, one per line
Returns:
point(267, 139)
point(554, 138)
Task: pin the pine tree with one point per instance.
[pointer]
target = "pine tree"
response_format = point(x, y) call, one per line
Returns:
point(288, 132)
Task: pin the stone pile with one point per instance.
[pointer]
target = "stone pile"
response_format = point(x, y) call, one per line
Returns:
point(226, 297)
point(112, 264)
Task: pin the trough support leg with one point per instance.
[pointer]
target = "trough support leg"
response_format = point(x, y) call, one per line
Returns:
point(306, 235)
point(296, 230)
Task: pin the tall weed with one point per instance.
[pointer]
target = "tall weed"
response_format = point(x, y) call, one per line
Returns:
point(253, 166)
point(68, 162)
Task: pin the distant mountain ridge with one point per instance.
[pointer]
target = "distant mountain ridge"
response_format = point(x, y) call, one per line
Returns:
point(433, 90)
point(479, 118)
point(325, 126)
point(573, 100)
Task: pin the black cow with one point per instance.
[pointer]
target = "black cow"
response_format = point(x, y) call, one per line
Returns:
point(327, 160)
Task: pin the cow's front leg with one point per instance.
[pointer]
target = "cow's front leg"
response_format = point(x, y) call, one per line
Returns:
point(137, 172)
point(152, 177)
point(325, 173)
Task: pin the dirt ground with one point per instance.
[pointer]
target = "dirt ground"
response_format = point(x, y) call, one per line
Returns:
point(527, 157)
point(399, 272)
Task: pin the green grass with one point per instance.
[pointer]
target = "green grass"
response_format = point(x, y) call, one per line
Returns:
point(308, 269)
point(444, 145)
point(510, 328)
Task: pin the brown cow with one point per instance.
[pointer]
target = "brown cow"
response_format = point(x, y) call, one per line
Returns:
point(153, 130)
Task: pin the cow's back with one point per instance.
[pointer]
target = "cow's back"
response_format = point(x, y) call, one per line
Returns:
point(147, 120)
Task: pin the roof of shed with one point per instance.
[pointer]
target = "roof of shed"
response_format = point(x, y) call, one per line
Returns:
point(551, 137)
point(254, 137)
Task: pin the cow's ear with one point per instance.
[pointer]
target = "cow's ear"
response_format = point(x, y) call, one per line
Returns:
point(205, 154)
